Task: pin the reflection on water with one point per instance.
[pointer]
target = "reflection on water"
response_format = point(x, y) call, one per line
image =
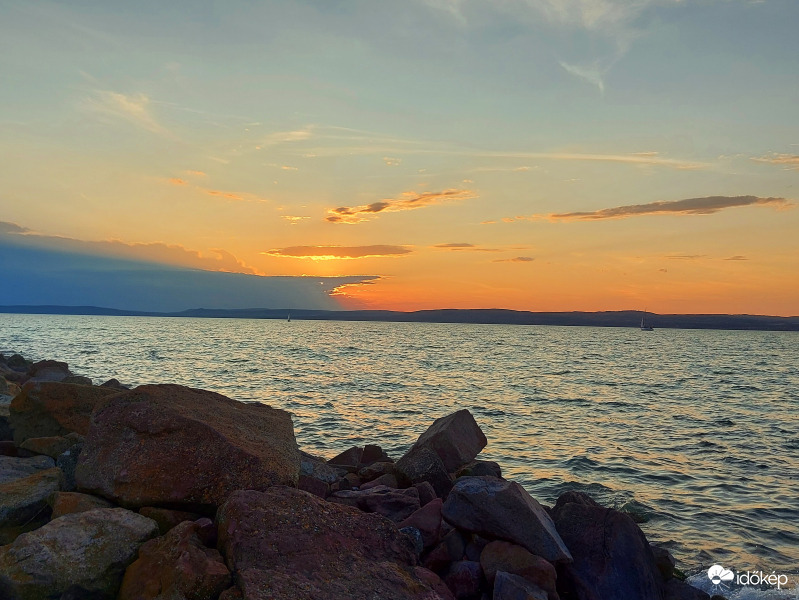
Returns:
point(696, 433)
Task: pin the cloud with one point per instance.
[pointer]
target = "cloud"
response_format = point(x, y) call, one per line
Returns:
point(736, 257)
point(789, 161)
point(197, 173)
point(407, 201)
point(690, 206)
point(465, 247)
point(455, 245)
point(226, 195)
point(686, 256)
point(392, 162)
point(339, 252)
point(295, 219)
point(593, 74)
point(152, 252)
point(178, 181)
point(518, 259)
point(133, 108)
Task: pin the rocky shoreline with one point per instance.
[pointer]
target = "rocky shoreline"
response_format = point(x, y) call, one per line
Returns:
point(165, 491)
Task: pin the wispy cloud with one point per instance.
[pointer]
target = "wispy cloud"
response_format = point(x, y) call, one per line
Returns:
point(407, 201)
point(293, 219)
point(593, 74)
point(465, 247)
point(133, 108)
point(689, 206)
point(736, 257)
point(789, 161)
point(222, 194)
point(517, 259)
point(455, 245)
point(339, 252)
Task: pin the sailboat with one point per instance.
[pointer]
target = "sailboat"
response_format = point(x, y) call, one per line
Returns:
point(644, 326)
point(288, 318)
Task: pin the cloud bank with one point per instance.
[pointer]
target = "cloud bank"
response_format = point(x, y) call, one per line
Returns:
point(339, 252)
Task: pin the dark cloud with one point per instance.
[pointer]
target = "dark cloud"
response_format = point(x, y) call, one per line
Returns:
point(455, 245)
point(407, 201)
point(737, 257)
point(6, 227)
point(339, 252)
point(690, 206)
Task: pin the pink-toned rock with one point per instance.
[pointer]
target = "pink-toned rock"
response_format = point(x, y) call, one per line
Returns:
point(456, 438)
point(464, 579)
point(65, 503)
point(434, 581)
point(428, 521)
point(286, 543)
point(513, 559)
point(178, 446)
point(426, 492)
point(375, 470)
point(46, 409)
point(178, 566)
point(501, 509)
point(53, 446)
point(166, 518)
point(448, 551)
point(388, 480)
point(394, 504)
point(314, 486)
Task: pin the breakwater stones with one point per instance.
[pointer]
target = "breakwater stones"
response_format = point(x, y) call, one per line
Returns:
point(164, 491)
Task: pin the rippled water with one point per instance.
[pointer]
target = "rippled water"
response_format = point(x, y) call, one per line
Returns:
point(697, 431)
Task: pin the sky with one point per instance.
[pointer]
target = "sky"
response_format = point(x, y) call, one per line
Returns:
point(542, 155)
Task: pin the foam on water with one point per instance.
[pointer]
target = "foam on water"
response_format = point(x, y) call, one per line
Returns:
point(696, 433)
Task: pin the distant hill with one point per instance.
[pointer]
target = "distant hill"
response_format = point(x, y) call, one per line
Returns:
point(622, 318)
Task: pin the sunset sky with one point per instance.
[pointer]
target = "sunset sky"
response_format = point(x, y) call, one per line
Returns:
point(538, 155)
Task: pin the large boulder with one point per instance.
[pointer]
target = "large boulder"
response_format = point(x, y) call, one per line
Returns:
point(423, 464)
point(46, 409)
point(177, 566)
point(24, 501)
point(53, 446)
point(177, 446)
point(456, 438)
point(500, 556)
point(78, 555)
point(513, 587)
point(286, 543)
point(67, 503)
point(504, 510)
point(612, 558)
point(428, 521)
point(49, 370)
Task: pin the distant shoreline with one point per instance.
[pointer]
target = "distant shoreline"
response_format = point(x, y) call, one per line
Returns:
point(624, 318)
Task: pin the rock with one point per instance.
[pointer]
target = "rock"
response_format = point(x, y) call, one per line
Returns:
point(17, 363)
point(426, 492)
point(513, 587)
point(664, 561)
point(393, 504)
point(424, 465)
point(84, 554)
point(49, 446)
point(349, 459)
point(464, 579)
point(67, 462)
point(480, 468)
point(167, 518)
point(428, 521)
point(387, 480)
point(319, 469)
point(503, 556)
point(286, 543)
point(12, 468)
point(78, 379)
point(177, 446)
point(66, 503)
point(353, 480)
point(49, 370)
point(504, 510)
point(612, 558)
point(317, 487)
point(416, 537)
point(456, 438)
point(375, 470)
point(450, 550)
point(177, 566)
point(24, 502)
point(434, 581)
point(372, 454)
point(115, 385)
point(474, 548)
point(45, 409)
point(675, 589)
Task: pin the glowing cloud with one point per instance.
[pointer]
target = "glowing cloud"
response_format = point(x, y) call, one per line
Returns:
point(518, 259)
point(407, 201)
point(339, 252)
point(295, 219)
point(789, 161)
point(454, 245)
point(690, 206)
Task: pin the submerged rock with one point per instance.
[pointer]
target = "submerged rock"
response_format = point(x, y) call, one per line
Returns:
point(456, 439)
point(504, 510)
point(285, 543)
point(177, 446)
point(83, 554)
